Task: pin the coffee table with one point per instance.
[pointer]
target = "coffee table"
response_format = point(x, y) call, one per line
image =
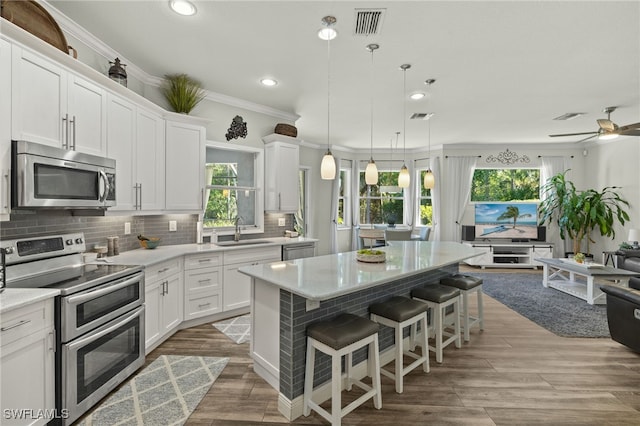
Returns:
point(577, 279)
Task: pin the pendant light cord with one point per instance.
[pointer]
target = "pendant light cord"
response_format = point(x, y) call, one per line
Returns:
point(371, 94)
point(404, 117)
point(329, 94)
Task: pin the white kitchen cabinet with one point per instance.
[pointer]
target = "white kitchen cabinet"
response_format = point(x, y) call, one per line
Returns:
point(163, 300)
point(202, 285)
point(149, 160)
point(281, 177)
point(236, 291)
point(135, 139)
point(27, 362)
point(54, 106)
point(5, 129)
point(185, 156)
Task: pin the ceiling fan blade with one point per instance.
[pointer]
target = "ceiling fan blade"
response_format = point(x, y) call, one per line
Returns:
point(587, 138)
point(607, 124)
point(630, 130)
point(574, 134)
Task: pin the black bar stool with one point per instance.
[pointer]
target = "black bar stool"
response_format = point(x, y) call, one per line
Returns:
point(337, 337)
point(467, 285)
point(398, 313)
point(439, 298)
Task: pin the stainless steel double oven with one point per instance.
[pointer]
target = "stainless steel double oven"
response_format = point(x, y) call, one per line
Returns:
point(99, 316)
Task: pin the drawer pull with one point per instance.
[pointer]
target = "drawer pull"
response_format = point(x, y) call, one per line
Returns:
point(23, 322)
point(204, 260)
point(202, 305)
point(206, 280)
point(163, 270)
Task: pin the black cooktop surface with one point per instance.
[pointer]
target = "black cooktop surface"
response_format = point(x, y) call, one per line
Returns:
point(73, 279)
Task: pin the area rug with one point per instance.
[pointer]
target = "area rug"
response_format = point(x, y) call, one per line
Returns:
point(164, 393)
point(237, 329)
point(558, 312)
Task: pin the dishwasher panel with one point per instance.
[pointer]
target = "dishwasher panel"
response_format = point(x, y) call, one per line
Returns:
point(298, 251)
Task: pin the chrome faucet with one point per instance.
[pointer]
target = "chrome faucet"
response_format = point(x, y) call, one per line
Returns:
point(238, 221)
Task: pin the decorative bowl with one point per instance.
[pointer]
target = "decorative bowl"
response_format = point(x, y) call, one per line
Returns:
point(371, 256)
point(151, 243)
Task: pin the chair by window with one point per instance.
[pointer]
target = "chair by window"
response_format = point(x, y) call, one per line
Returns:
point(397, 234)
point(424, 233)
point(371, 237)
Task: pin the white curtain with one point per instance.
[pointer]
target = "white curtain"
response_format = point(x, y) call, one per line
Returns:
point(456, 190)
point(355, 203)
point(551, 166)
point(410, 195)
point(435, 198)
point(335, 193)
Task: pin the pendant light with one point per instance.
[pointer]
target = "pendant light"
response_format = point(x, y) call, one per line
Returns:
point(429, 179)
point(328, 165)
point(403, 177)
point(371, 172)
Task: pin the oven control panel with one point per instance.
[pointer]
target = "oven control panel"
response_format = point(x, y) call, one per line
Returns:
point(27, 249)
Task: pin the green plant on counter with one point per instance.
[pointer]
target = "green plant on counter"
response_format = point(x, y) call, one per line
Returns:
point(182, 92)
point(370, 252)
point(579, 257)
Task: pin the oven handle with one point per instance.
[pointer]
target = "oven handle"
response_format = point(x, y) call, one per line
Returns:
point(93, 294)
point(93, 337)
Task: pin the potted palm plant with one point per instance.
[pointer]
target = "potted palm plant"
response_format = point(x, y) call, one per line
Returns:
point(578, 213)
point(182, 92)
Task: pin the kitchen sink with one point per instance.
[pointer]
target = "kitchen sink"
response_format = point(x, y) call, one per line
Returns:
point(241, 243)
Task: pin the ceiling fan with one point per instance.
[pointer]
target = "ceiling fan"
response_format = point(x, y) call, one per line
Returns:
point(608, 129)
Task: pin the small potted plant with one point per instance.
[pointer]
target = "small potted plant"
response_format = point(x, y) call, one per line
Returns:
point(182, 92)
point(579, 257)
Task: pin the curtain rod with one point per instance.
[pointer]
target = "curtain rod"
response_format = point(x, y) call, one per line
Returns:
point(542, 156)
point(462, 156)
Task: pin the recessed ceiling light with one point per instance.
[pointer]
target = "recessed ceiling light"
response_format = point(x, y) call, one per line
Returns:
point(416, 96)
point(182, 7)
point(268, 82)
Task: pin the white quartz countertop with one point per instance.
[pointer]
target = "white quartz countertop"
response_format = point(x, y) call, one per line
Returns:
point(325, 277)
point(13, 298)
point(162, 253)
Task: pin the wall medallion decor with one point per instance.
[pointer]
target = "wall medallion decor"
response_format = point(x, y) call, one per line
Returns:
point(508, 157)
point(238, 129)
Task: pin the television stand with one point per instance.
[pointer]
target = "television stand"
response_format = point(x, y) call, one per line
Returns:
point(508, 254)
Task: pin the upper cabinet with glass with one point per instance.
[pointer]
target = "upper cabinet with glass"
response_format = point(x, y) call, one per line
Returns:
point(233, 182)
point(282, 163)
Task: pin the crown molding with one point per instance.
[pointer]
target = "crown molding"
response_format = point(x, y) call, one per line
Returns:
point(75, 30)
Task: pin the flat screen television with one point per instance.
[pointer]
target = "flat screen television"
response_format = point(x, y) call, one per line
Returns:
point(506, 220)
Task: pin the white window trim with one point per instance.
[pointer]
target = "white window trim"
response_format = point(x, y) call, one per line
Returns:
point(258, 228)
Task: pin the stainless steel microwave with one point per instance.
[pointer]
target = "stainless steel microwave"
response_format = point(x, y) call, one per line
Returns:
point(44, 176)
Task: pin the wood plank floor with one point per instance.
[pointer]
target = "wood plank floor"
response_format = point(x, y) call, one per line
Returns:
point(513, 373)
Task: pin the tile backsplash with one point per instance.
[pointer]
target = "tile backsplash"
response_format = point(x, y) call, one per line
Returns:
point(96, 229)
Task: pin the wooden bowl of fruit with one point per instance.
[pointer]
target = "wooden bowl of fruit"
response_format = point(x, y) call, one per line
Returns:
point(371, 256)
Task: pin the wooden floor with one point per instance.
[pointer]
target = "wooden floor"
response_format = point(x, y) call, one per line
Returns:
point(513, 373)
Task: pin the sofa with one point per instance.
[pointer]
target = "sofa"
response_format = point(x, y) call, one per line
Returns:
point(629, 259)
point(623, 304)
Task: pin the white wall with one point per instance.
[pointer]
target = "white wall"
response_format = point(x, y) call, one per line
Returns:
point(615, 163)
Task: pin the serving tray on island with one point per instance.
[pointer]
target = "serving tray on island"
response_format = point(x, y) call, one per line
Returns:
point(588, 265)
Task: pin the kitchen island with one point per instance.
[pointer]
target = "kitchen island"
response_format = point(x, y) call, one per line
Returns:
point(288, 296)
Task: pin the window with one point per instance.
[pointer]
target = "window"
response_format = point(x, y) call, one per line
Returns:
point(344, 197)
point(425, 206)
point(231, 187)
point(505, 185)
point(381, 203)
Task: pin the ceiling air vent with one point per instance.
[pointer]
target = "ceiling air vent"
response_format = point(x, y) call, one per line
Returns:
point(421, 115)
point(368, 21)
